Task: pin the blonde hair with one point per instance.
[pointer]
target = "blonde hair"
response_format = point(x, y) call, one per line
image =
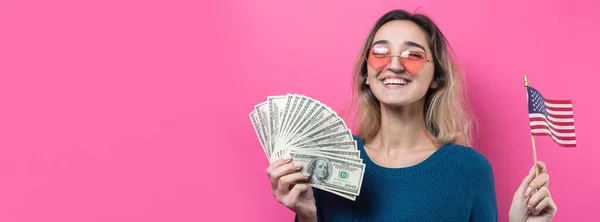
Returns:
point(447, 114)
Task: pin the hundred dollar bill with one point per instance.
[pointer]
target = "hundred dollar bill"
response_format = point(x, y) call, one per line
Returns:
point(262, 109)
point(337, 126)
point(297, 115)
point(321, 115)
point(344, 136)
point(259, 133)
point(345, 153)
point(353, 156)
point(295, 105)
point(320, 121)
point(290, 105)
point(305, 118)
point(328, 120)
point(344, 195)
point(350, 145)
point(276, 107)
point(333, 173)
point(286, 112)
point(339, 148)
point(349, 153)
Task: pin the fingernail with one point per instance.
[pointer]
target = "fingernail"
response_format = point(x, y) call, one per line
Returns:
point(529, 208)
point(531, 171)
point(528, 191)
point(305, 174)
point(297, 165)
point(287, 158)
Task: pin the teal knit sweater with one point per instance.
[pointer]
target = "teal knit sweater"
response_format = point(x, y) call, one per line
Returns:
point(454, 184)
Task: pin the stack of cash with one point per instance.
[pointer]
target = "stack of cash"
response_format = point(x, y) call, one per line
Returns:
point(313, 135)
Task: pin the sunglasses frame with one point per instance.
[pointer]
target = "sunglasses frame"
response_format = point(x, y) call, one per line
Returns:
point(392, 56)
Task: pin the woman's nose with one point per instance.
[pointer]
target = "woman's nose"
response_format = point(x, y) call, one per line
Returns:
point(395, 65)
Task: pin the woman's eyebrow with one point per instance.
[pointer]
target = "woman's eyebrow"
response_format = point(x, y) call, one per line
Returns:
point(414, 44)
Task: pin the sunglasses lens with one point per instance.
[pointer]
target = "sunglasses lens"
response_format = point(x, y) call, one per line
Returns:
point(412, 61)
point(379, 57)
point(378, 62)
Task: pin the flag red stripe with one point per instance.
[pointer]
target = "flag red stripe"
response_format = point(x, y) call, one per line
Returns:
point(560, 116)
point(560, 144)
point(555, 130)
point(557, 109)
point(572, 138)
point(558, 101)
point(533, 119)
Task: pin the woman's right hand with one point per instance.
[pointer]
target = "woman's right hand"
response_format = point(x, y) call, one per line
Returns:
point(297, 197)
point(532, 200)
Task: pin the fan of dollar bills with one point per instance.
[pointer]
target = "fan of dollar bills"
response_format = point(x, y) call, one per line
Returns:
point(314, 135)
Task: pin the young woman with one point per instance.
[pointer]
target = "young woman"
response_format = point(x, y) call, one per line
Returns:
point(414, 137)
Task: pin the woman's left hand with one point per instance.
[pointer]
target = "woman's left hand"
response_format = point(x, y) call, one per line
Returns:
point(532, 201)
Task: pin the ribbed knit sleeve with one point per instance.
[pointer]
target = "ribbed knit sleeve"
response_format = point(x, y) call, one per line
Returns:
point(484, 205)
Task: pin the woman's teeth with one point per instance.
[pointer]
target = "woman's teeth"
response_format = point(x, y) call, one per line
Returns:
point(390, 81)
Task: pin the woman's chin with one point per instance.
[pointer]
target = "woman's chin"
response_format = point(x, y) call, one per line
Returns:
point(398, 102)
point(394, 99)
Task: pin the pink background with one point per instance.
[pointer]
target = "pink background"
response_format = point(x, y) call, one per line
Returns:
point(138, 110)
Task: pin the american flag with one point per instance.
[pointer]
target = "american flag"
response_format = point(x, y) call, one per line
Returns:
point(551, 118)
